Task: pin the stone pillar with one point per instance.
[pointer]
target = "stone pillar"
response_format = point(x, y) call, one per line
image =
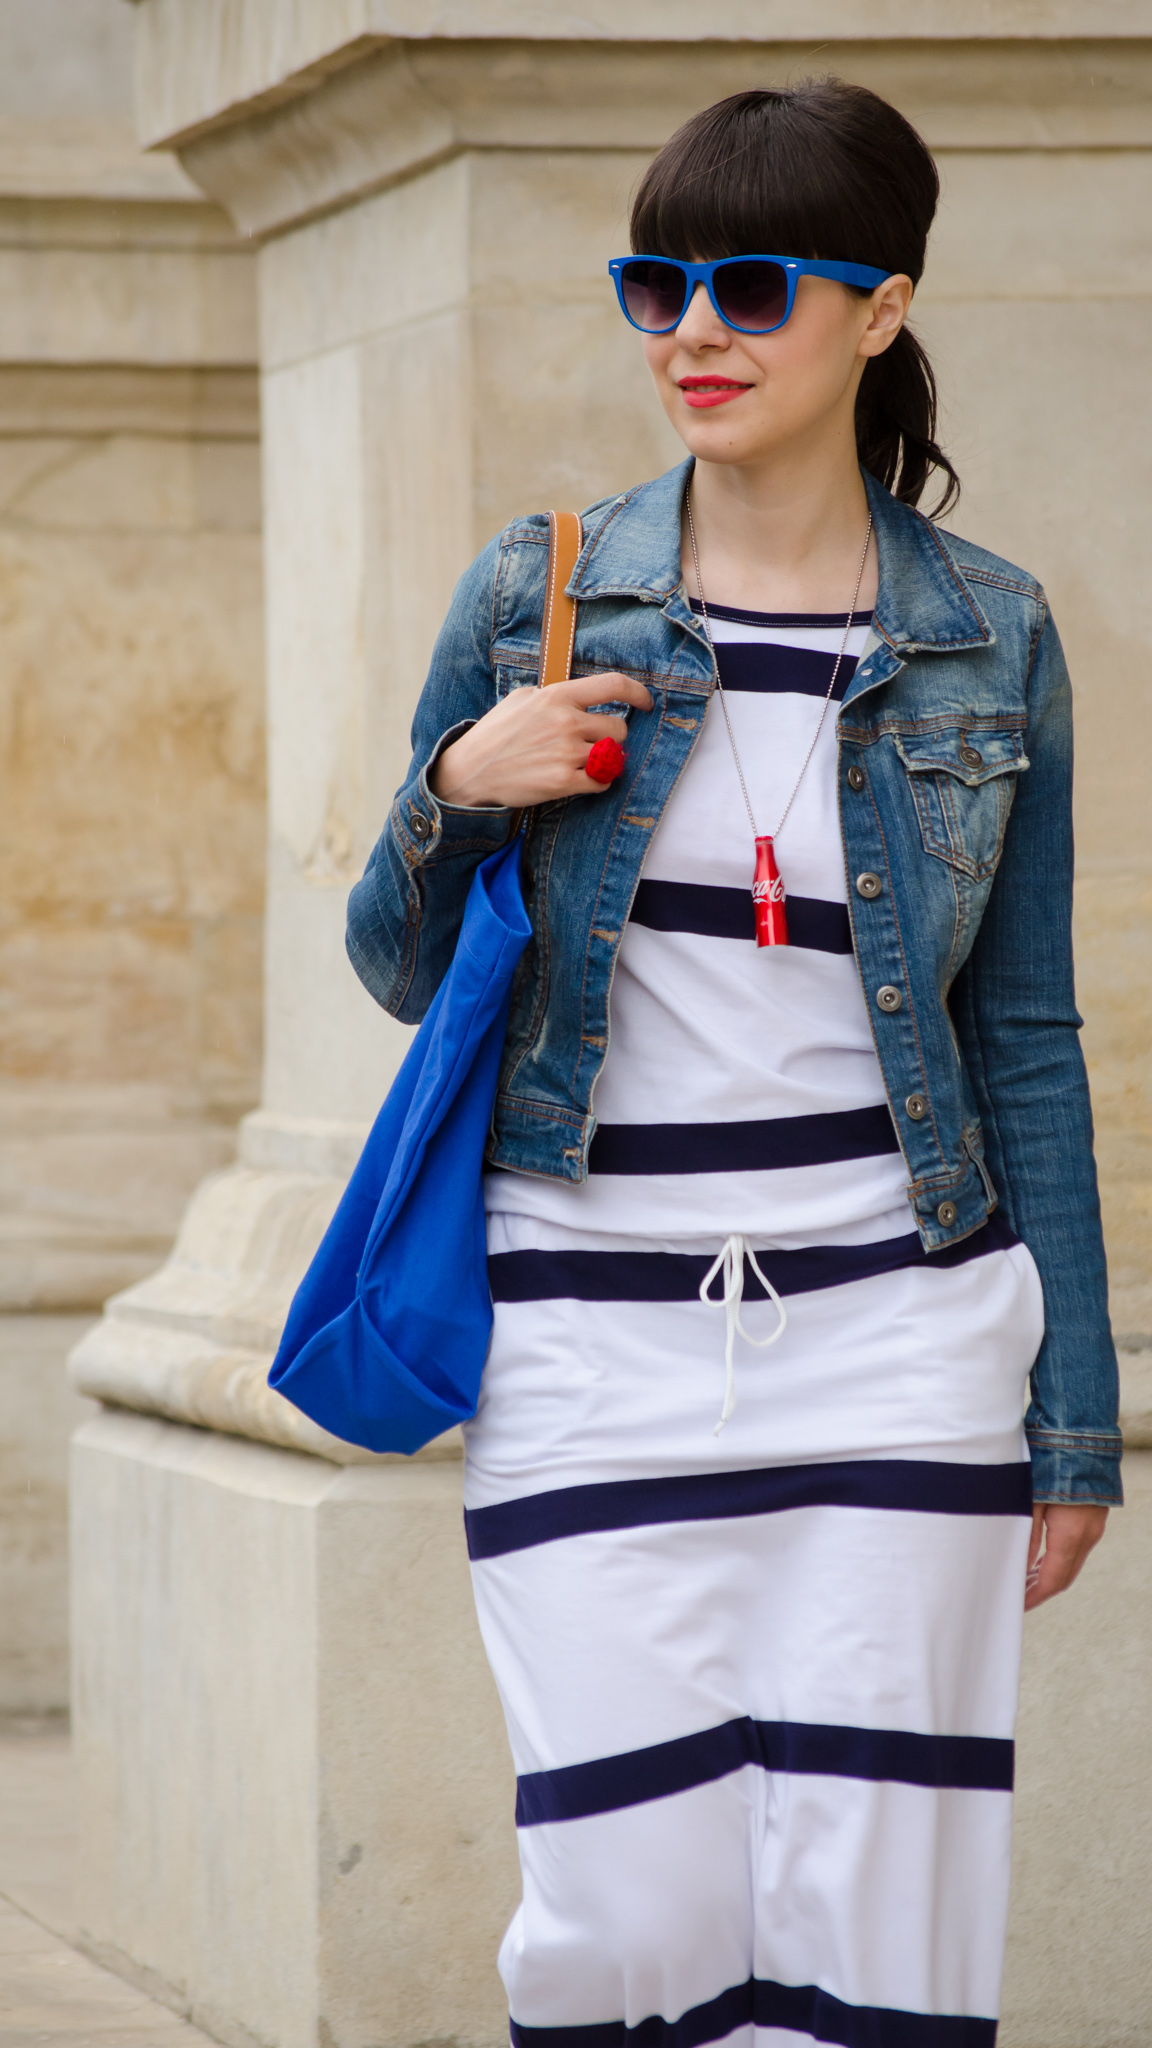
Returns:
point(290, 1642)
point(131, 723)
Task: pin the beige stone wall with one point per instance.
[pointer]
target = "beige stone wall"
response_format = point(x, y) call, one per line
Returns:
point(131, 705)
point(38, 1412)
point(131, 741)
point(131, 779)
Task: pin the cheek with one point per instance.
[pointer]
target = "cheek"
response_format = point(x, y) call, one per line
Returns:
point(658, 352)
point(809, 368)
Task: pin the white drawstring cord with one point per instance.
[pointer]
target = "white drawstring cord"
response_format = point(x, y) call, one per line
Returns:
point(731, 1260)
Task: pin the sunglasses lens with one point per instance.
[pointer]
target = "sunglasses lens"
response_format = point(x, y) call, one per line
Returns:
point(653, 294)
point(752, 295)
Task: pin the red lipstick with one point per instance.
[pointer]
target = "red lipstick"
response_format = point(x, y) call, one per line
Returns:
point(703, 391)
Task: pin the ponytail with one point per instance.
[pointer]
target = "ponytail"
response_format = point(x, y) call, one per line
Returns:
point(896, 424)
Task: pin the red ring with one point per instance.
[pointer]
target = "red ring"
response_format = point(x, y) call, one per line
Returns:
point(605, 761)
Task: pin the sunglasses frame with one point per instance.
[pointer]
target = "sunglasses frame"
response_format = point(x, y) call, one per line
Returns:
point(794, 268)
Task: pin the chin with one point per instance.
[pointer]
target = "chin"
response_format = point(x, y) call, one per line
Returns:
point(721, 441)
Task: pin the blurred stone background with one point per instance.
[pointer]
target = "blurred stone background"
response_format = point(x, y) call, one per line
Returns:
point(131, 740)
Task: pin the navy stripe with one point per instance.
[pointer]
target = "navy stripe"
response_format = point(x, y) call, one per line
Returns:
point(795, 671)
point(978, 1763)
point(757, 1145)
point(715, 913)
point(795, 2008)
point(676, 1276)
point(820, 620)
point(920, 1486)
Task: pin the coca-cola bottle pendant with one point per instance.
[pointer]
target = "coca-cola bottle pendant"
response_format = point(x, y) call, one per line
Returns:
point(768, 896)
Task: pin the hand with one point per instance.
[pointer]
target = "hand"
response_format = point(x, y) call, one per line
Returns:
point(532, 746)
point(1068, 1534)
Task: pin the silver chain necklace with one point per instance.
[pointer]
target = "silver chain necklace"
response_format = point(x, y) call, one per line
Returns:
point(768, 895)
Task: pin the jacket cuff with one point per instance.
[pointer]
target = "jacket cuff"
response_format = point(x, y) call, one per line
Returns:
point(426, 827)
point(1073, 1468)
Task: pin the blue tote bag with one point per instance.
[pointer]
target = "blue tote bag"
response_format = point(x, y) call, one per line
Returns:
point(387, 1334)
point(386, 1338)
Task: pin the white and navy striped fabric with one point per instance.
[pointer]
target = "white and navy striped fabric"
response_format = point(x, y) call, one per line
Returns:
point(760, 1686)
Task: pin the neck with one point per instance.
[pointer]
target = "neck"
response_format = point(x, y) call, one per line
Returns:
point(783, 534)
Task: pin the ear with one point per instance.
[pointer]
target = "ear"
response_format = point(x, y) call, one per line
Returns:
point(887, 314)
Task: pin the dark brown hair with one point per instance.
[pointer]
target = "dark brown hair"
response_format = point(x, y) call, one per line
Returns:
point(817, 169)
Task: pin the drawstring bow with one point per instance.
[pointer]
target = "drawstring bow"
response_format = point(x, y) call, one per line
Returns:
point(730, 1262)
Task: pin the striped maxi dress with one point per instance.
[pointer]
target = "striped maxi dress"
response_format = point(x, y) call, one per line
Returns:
point(760, 1684)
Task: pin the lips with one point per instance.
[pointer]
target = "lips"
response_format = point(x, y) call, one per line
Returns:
point(699, 392)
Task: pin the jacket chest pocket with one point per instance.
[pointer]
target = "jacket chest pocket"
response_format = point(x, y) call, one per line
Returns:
point(962, 785)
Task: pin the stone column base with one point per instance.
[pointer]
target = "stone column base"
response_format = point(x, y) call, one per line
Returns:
point(296, 1795)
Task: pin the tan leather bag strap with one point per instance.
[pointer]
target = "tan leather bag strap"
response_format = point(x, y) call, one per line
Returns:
point(565, 540)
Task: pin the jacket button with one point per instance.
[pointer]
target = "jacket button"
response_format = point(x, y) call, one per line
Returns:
point(946, 1214)
point(855, 777)
point(972, 757)
point(889, 998)
point(916, 1107)
point(868, 885)
point(419, 826)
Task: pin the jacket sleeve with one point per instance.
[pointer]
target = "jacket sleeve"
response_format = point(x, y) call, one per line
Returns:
point(1015, 1012)
point(405, 912)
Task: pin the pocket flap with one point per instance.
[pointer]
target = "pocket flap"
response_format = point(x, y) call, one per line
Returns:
point(971, 756)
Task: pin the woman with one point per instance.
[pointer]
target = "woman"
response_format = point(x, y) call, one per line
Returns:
point(777, 1231)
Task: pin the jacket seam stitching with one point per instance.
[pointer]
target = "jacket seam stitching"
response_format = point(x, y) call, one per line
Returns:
point(911, 1005)
point(950, 967)
point(1039, 623)
point(538, 918)
point(666, 678)
point(994, 581)
point(409, 949)
point(1073, 1439)
point(522, 1105)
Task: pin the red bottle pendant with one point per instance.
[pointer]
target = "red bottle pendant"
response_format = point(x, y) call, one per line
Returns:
point(768, 896)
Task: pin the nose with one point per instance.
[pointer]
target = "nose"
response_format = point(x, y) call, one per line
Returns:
point(700, 321)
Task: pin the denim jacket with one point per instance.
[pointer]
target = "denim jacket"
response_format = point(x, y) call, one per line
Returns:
point(955, 775)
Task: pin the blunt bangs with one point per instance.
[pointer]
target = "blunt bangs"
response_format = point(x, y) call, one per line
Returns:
point(803, 172)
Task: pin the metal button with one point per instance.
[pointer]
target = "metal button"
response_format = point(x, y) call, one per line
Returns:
point(889, 998)
point(868, 885)
point(855, 777)
point(946, 1214)
point(419, 826)
point(916, 1107)
point(972, 757)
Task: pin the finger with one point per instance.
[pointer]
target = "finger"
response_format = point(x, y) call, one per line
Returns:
point(1071, 1534)
point(573, 782)
point(610, 687)
point(1036, 1539)
point(1052, 1575)
point(595, 726)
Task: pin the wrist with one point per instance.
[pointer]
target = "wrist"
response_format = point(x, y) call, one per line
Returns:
point(449, 776)
point(449, 785)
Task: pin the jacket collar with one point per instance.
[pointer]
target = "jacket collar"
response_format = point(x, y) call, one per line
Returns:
point(924, 602)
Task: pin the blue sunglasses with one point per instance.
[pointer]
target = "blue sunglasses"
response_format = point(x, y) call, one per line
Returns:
point(753, 294)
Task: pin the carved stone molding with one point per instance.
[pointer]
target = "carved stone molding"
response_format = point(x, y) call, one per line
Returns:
point(395, 110)
point(201, 62)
